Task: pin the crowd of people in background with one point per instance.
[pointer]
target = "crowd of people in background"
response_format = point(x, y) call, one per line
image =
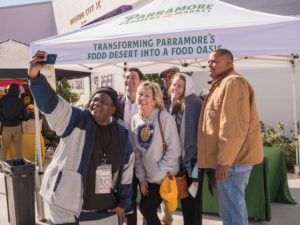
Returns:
point(17, 118)
point(122, 143)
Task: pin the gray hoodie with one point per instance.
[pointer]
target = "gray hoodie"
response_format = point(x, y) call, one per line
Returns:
point(150, 164)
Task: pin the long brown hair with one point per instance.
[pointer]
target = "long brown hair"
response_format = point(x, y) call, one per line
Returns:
point(178, 102)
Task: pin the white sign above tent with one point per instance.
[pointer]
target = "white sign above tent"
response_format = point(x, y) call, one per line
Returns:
point(71, 15)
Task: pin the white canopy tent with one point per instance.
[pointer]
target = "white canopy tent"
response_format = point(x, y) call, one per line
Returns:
point(174, 31)
point(182, 33)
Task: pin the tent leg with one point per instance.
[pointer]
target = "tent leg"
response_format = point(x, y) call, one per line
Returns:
point(38, 139)
point(39, 168)
point(39, 201)
point(296, 167)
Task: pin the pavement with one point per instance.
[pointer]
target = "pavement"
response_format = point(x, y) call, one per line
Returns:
point(282, 214)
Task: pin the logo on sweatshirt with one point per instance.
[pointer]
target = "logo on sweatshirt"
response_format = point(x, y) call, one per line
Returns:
point(145, 135)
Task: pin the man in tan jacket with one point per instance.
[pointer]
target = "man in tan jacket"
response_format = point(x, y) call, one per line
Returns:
point(229, 139)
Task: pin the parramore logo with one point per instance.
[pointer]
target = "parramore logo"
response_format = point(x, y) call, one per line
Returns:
point(203, 9)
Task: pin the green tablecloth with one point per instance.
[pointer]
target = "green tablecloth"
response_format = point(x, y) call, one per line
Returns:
point(268, 182)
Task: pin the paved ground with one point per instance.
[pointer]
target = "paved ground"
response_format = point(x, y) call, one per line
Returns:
point(282, 214)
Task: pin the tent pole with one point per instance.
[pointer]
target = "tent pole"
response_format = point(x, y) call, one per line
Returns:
point(38, 173)
point(38, 139)
point(296, 169)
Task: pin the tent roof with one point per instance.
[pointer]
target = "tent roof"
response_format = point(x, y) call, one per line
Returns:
point(14, 61)
point(174, 32)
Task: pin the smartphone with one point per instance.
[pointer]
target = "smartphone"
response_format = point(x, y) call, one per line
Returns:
point(51, 58)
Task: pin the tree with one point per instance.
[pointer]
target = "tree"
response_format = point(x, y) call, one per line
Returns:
point(278, 139)
point(155, 77)
point(64, 90)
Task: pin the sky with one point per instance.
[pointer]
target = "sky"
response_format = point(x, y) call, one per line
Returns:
point(4, 3)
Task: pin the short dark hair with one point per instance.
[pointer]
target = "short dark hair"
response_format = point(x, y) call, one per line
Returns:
point(223, 51)
point(14, 89)
point(133, 69)
point(171, 70)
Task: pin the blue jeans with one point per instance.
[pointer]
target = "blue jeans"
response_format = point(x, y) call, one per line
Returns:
point(232, 204)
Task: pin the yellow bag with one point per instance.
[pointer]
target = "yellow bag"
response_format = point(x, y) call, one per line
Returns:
point(169, 192)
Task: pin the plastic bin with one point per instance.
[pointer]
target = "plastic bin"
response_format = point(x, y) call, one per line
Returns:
point(19, 185)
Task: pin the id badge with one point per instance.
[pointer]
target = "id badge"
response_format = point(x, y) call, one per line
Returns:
point(103, 179)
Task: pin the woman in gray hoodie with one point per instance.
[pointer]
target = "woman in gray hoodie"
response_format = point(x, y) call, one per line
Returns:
point(151, 165)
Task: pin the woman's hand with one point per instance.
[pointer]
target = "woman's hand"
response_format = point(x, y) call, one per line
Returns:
point(144, 187)
point(37, 63)
point(120, 212)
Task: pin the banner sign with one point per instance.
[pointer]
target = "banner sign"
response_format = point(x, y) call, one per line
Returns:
point(154, 48)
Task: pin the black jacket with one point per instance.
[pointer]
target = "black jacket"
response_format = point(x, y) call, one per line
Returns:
point(12, 109)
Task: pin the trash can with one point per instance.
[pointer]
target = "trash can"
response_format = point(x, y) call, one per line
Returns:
point(19, 185)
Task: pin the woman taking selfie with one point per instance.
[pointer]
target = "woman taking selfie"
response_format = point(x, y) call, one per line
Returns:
point(151, 164)
point(89, 179)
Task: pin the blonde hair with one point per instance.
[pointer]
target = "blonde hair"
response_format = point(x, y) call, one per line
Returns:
point(178, 102)
point(156, 93)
